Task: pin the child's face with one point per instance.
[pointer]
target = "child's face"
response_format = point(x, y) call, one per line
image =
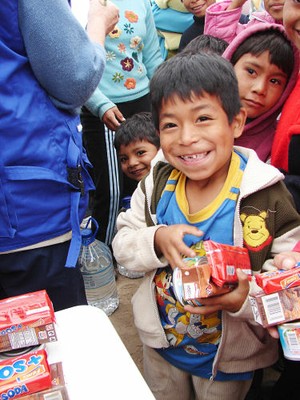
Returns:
point(291, 20)
point(136, 158)
point(274, 8)
point(196, 137)
point(197, 7)
point(260, 83)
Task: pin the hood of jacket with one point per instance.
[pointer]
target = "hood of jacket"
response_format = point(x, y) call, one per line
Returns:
point(258, 134)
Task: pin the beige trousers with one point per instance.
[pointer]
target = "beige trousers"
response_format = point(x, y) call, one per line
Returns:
point(170, 383)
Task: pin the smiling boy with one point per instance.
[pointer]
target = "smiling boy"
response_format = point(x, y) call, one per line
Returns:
point(203, 187)
point(137, 143)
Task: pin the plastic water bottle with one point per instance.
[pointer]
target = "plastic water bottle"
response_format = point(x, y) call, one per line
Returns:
point(122, 270)
point(96, 264)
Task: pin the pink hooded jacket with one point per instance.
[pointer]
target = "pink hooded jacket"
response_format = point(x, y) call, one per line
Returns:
point(258, 134)
point(224, 24)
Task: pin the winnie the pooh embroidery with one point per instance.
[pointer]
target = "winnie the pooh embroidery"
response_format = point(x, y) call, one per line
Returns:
point(255, 231)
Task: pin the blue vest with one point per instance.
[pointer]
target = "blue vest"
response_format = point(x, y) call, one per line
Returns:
point(44, 183)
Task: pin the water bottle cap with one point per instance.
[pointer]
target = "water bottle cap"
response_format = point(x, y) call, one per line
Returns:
point(87, 236)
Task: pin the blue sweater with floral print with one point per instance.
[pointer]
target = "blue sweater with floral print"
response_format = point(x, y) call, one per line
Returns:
point(132, 56)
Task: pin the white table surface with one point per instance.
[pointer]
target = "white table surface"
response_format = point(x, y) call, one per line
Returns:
point(95, 361)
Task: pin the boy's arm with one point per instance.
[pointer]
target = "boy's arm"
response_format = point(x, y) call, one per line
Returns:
point(141, 248)
point(133, 245)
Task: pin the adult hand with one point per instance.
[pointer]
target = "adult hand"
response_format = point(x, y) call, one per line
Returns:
point(101, 19)
point(231, 301)
point(112, 118)
point(168, 241)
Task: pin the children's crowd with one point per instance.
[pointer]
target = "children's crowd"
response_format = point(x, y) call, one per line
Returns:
point(192, 108)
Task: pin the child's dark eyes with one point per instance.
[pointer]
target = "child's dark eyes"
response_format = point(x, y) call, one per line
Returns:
point(250, 71)
point(140, 152)
point(203, 118)
point(122, 159)
point(275, 81)
point(168, 125)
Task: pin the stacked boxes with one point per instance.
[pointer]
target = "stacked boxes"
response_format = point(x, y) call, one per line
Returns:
point(26, 323)
point(26, 320)
point(278, 300)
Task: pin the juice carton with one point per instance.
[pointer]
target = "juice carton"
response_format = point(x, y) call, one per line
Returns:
point(25, 374)
point(224, 261)
point(58, 390)
point(280, 279)
point(193, 282)
point(276, 308)
point(26, 320)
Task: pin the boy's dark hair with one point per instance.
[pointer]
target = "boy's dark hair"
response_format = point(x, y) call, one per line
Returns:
point(187, 73)
point(281, 50)
point(207, 43)
point(135, 128)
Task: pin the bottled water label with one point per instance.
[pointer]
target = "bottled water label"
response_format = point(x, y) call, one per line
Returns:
point(98, 279)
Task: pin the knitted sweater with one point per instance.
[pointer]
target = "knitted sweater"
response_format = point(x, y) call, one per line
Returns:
point(132, 56)
point(245, 345)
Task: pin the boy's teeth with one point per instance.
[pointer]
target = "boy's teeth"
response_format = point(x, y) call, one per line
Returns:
point(194, 156)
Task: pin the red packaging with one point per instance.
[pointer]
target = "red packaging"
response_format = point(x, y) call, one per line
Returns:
point(224, 261)
point(26, 320)
point(58, 390)
point(25, 374)
point(280, 279)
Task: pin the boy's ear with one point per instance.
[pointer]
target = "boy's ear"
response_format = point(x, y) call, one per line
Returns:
point(238, 122)
point(157, 132)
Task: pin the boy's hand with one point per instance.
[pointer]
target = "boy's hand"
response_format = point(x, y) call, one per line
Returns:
point(273, 332)
point(231, 301)
point(236, 4)
point(286, 260)
point(168, 241)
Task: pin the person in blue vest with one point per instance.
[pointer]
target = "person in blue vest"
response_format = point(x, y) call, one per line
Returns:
point(49, 68)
